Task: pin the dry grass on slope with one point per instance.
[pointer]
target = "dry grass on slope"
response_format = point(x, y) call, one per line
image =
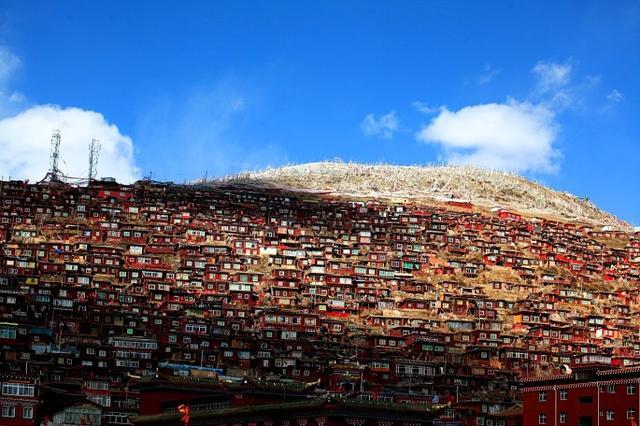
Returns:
point(485, 188)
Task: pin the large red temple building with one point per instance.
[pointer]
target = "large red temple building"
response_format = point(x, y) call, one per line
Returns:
point(588, 396)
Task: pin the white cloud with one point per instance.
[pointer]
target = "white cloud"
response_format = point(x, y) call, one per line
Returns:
point(10, 101)
point(385, 126)
point(516, 136)
point(25, 144)
point(25, 135)
point(488, 74)
point(615, 96)
point(237, 104)
point(9, 63)
point(555, 86)
point(424, 108)
point(552, 75)
point(202, 133)
point(16, 97)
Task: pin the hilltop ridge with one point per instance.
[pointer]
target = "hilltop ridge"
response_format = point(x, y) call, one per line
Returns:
point(483, 187)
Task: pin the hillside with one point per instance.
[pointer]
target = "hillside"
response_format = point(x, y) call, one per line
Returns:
point(256, 291)
point(484, 188)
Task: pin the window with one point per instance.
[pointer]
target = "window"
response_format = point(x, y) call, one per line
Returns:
point(8, 333)
point(631, 389)
point(564, 394)
point(17, 389)
point(27, 412)
point(196, 328)
point(8, 411)
point(542, 419)
point(542, 397)
point(117, 418)
point(611, 388)
point(611, 415)
point(104, 400)
point(563, 417)
point(631, 413)
point(96, 384)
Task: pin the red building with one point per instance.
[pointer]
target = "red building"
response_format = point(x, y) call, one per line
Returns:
point(587, 396)
point(18, 401)
point(507, 214)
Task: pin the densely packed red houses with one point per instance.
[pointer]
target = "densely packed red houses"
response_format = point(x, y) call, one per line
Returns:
point(116, 300)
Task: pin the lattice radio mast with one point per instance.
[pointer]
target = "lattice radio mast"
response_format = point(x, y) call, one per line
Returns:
point(94, 150)
point(54, 171)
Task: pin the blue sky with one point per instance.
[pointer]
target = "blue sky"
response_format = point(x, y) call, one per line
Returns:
point(180, 89)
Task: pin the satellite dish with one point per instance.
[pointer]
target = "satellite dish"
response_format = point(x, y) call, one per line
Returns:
point(566, 369)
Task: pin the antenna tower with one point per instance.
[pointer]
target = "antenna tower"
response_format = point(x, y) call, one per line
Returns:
point(94, 150)
point(54, 171)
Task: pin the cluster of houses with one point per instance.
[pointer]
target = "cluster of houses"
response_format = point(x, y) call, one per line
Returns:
point(109, 291)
